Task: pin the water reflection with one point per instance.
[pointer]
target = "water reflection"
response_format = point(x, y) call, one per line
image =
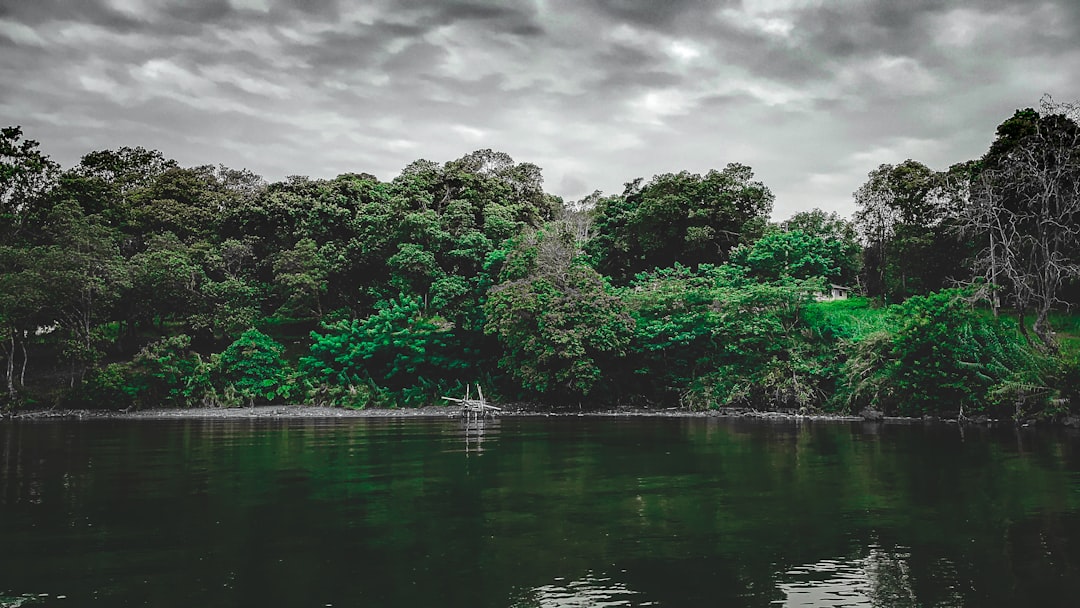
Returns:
point(14, 601)
point(475, 432)
point(402, 513)
point(881, 579)
point(589, 591)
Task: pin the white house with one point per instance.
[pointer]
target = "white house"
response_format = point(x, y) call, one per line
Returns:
point(836, 292)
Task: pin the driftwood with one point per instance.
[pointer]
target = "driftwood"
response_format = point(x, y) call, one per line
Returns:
point(474, 409)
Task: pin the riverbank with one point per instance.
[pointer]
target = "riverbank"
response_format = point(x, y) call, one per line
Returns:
point(509, 410)
point(431, 411)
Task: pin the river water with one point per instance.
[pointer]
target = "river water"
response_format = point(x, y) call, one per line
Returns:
point(536, 512)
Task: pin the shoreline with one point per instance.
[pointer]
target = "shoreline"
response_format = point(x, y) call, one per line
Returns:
point(516, 410)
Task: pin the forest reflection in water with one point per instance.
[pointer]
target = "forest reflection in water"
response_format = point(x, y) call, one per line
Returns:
point(537, 512)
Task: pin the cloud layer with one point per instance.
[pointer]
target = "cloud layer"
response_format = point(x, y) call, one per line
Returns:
point(812, 94)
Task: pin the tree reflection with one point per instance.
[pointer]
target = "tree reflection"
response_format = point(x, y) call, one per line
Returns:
point(589, 590)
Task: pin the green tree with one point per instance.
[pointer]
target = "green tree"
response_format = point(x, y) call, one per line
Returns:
point(167, 372)
point(109, 183)
point(911, 246)
point(86, 274)
point(26, 176)
point(714, 337)
point(165, 282)
point(838, 233)
point(254, 368)
point(680, 218)
point(561, 334)
point(25, 305)
point(395, 349)
point(300, 276)
point(789, 254)
point(184, 201)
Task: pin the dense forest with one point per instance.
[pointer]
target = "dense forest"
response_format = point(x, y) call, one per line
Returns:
point(130, 281)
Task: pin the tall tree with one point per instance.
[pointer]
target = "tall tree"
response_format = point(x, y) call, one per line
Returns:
point(682, 218)
point(561, 326)
point(26, 179)
point(26, 175)
point(108, 183)
point(840, 236)
point(1026, 198)
point(25, 302)
point(300, 274)
point(901, 219)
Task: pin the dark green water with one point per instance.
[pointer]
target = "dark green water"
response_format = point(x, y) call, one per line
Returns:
point(535, 512)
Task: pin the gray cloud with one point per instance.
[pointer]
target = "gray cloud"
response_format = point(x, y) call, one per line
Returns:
point(812, 94)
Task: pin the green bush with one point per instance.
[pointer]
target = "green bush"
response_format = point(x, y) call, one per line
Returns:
point(399, 355)
point(254, 368)
point(109, 387)
point(167, 373)
point(714, 337)
point(561, 335)
point(937, 355)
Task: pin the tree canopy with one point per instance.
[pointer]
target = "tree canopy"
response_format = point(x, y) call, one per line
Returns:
point(130, 280)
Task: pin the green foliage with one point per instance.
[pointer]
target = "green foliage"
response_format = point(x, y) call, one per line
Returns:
point(677, 218)
point(379, 359)
point(847, 319)
point(300, 275)
point(26, 175)
point(715, 337)
point(912, 246)
point(165, 372)
point(1069, 380)
point(253, 367)
point(838, 233)
point(140, 280)
point(561, 334)
point(940, 356)
point(109, 386)
point(165, 279)
point(227, 307)
point(791, 254)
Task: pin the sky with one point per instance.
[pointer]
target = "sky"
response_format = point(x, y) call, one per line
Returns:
point(812, 94)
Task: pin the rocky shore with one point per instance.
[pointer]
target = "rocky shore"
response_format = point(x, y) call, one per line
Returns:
point(432, 411)
point(508, 410)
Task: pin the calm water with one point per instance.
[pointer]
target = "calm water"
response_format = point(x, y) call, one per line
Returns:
point(535, 513)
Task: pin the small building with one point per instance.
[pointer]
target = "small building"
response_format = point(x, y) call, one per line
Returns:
point(835, 292)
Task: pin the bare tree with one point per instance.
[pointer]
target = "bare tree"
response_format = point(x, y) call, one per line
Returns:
point(1025, 204)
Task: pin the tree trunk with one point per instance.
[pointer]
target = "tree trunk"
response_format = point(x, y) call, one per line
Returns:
point(11, 367)
point(995, 301)
point(1023, 325)
point(1043, 331)
point(22, 372)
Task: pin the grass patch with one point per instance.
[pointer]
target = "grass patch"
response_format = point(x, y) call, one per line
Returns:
point(1067, 326)
point(847, 319)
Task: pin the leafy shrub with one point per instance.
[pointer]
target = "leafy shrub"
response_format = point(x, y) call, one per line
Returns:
point(254, 368)
point(109, 387)
point(940, 356)
point(561, 334)
point(167, 372)
point(1069, 381)
point(382, 359)
point(715, 337)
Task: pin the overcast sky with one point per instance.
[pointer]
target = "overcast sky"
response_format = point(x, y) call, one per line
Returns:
point(811, 94)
